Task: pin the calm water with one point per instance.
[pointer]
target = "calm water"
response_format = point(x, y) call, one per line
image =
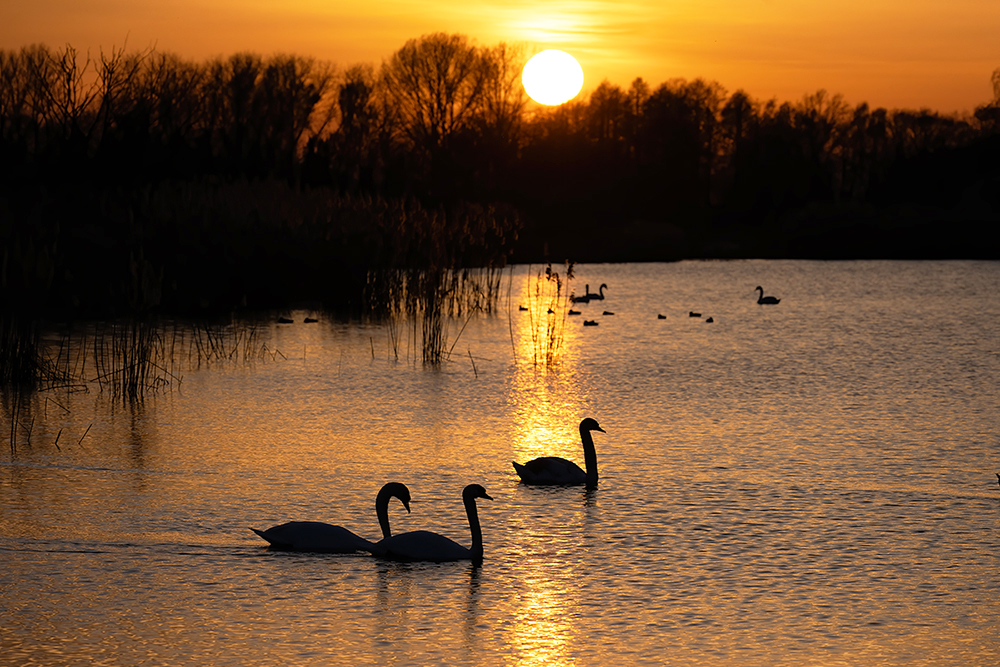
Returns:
point(804, 484)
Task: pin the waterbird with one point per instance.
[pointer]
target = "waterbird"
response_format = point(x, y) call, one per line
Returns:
point(709, 320)
point(608, 312)
point(521, 308)
point(319, 537)
point(589, 323)
point(582, 299)
point(765, 299)
point(424, 545)
point(661, 317)
point(284, 320)
point(310, 320)
point(574, 312)
point(693, 314)
point(998, 478)
point(555, 470)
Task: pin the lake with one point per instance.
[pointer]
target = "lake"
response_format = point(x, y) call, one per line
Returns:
point(808, 483)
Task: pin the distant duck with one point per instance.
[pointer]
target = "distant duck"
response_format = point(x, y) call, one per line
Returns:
point(709, 320)
point(998, 478)
point(574, 312)
point(319, 537)
point(582, 299)
point(521, 308)
point(598, 297)
point(694, 314)
point(608, 312)
point(285, 320)
point(661, 317)
point(551, 312)
point(765, 299)
point(552, 470)
point(423, 545)
point(589, 323)
point(310, 320)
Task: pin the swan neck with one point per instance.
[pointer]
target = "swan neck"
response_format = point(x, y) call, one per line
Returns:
point(474, 527)
point(382, 512)
point(589, 456)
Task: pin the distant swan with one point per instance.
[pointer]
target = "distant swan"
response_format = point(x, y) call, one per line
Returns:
point(319, 537)
point(598, 297)
point(582, 299)
point(423, 545)
point(765, 299)
point(555, 470)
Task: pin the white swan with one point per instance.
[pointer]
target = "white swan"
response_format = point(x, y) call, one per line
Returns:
point(765, 299)
point(316, 536)
point(596, 297)
point(582, 299)
point(555, 470)
point(423, 545)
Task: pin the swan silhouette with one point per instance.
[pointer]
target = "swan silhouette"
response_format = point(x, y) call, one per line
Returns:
point(319, 537)
point(582, 299)
point(555, 470)
point(596, 297)
point(765, 299)
point(423, 545)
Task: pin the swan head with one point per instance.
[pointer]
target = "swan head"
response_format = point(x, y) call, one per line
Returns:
point(473, 491)
point(589, 424)
point(758, 287)
point(397, 490)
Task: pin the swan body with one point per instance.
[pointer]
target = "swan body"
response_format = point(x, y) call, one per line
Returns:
point(319, 537)
point(555, 470)
point(765, 299)
point(424, 545)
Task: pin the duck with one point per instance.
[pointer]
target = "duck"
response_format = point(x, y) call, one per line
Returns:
point(310, 320)
point(522, 308)
point(424, 545)
point(590, 323)
point(285, 320)
point(691, 313)
point(765, 299)
point(596, 297)
point(573, 312)
point(553, 470)
point(661, 316)
point(319, 537)
point(608, 312)
point(582, 299)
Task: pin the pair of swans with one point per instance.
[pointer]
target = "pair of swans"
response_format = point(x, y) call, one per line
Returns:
point(419, 545)
point(589, 296)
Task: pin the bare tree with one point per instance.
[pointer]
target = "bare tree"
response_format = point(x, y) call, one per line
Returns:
point(435, 86)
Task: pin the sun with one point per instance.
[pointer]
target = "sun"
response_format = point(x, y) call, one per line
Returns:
point(552, 77)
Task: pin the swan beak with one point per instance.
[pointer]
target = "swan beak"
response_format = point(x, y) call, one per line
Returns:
point(487, 496)
point(600, 429)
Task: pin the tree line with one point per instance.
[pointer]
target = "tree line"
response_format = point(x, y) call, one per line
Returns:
point(683, 168)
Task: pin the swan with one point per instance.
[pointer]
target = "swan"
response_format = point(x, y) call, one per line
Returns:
point(423, 545)
point(319, 537)
point(555, 470)
point(582, 299)
point(765, 299)
point(599, 296)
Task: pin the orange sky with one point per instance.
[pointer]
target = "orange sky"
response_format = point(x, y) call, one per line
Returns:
point(892, 53)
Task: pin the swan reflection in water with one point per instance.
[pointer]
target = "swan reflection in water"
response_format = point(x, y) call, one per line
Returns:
point(423, 545)
point(319, 537)
point(556, 470)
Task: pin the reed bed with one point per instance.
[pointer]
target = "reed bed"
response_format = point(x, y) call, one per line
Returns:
point(548, 295)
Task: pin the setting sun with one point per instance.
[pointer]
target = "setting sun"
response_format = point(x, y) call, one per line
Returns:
point(552, 77)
